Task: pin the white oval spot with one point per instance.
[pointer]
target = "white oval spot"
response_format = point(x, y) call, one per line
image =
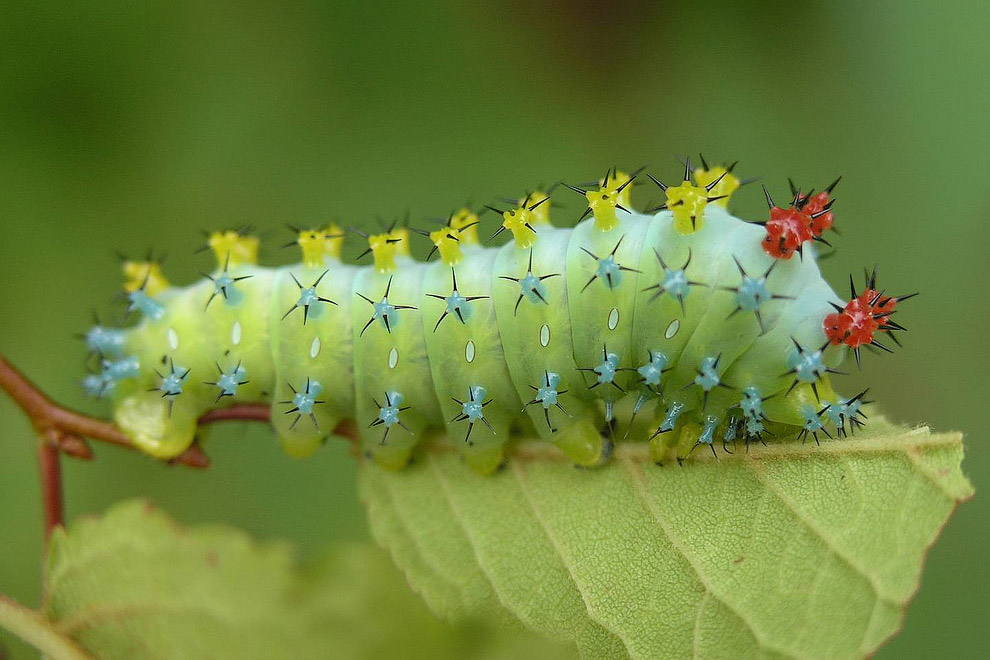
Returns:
point(235, 333)
point(613, 318)
point(544, 334)
point(173, 338)
point(393, 358)
point(469, 351)
point(672, 329)
point(314, 348)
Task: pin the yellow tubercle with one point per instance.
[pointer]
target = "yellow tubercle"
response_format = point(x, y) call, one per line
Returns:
point(231, 248)
point(399, 238)
point(618, 182)
point(520, 222)
point(539, 204)
point(318, 245)
point(385, 247)
point(603, 204)
point(727, 185)
point(447, 243)
point(146, 275)
point(465, 223)
point(687, 203)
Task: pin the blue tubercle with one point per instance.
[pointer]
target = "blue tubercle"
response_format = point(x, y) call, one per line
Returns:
point(458, 306)
point(385, 314)
point(609, 271)
point(731, 430)
point(306, 399)
point(708, 377)
point(97, 386)
point(303, 401)
point(670, 419)
point(652, 371)
point(844, 410)
point(310, 300)
point(751, 403)
point(229, 381)
point(752, 293)
point(808, 366)
point(173, 381)
point(471, 408)
point(389, 413)
point(108, 342)
point(547, 394)
point(532, 288)
point(812, 423)
point(148, 306)
point(675, 282)
point(707, 436)
point(113, 371)
point(125, 367)
point(224, 285)
point(606, 368)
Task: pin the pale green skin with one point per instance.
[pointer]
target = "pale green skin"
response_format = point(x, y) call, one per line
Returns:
point(509, 357)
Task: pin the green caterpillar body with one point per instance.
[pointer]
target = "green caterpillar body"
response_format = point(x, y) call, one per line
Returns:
point(625, 326)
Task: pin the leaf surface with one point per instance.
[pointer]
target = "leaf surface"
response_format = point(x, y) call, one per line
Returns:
point(134, 584)
point(789, 551)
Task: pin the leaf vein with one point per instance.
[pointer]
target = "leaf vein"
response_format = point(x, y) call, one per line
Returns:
point(926, 472)
point(636, 474)
point(421, 552)
point(812, 526)
point(517, 472)
point(445, 488)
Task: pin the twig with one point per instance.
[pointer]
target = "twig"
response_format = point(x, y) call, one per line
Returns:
point(61, 430)
point(50, 466)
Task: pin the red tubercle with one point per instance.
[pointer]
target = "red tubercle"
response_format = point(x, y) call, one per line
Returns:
point(862, 325)
point(820, 216)
point(806, 219)
point(881, 306)
point(787, 230)
point(860, 319)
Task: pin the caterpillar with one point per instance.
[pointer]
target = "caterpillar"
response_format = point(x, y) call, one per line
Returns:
point(695, 325)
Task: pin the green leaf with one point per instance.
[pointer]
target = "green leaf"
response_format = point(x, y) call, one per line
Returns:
point(790, 550)
point(134, 584)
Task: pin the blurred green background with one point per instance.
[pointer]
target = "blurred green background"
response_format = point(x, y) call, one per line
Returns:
point(135, 125)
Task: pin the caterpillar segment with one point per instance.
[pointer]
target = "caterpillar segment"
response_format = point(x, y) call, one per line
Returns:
point(532, 304)
point(678, 328)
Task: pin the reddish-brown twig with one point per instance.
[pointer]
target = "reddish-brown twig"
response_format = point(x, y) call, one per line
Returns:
point(61, 430)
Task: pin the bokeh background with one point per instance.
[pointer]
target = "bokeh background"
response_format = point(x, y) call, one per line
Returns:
point(135, 125)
